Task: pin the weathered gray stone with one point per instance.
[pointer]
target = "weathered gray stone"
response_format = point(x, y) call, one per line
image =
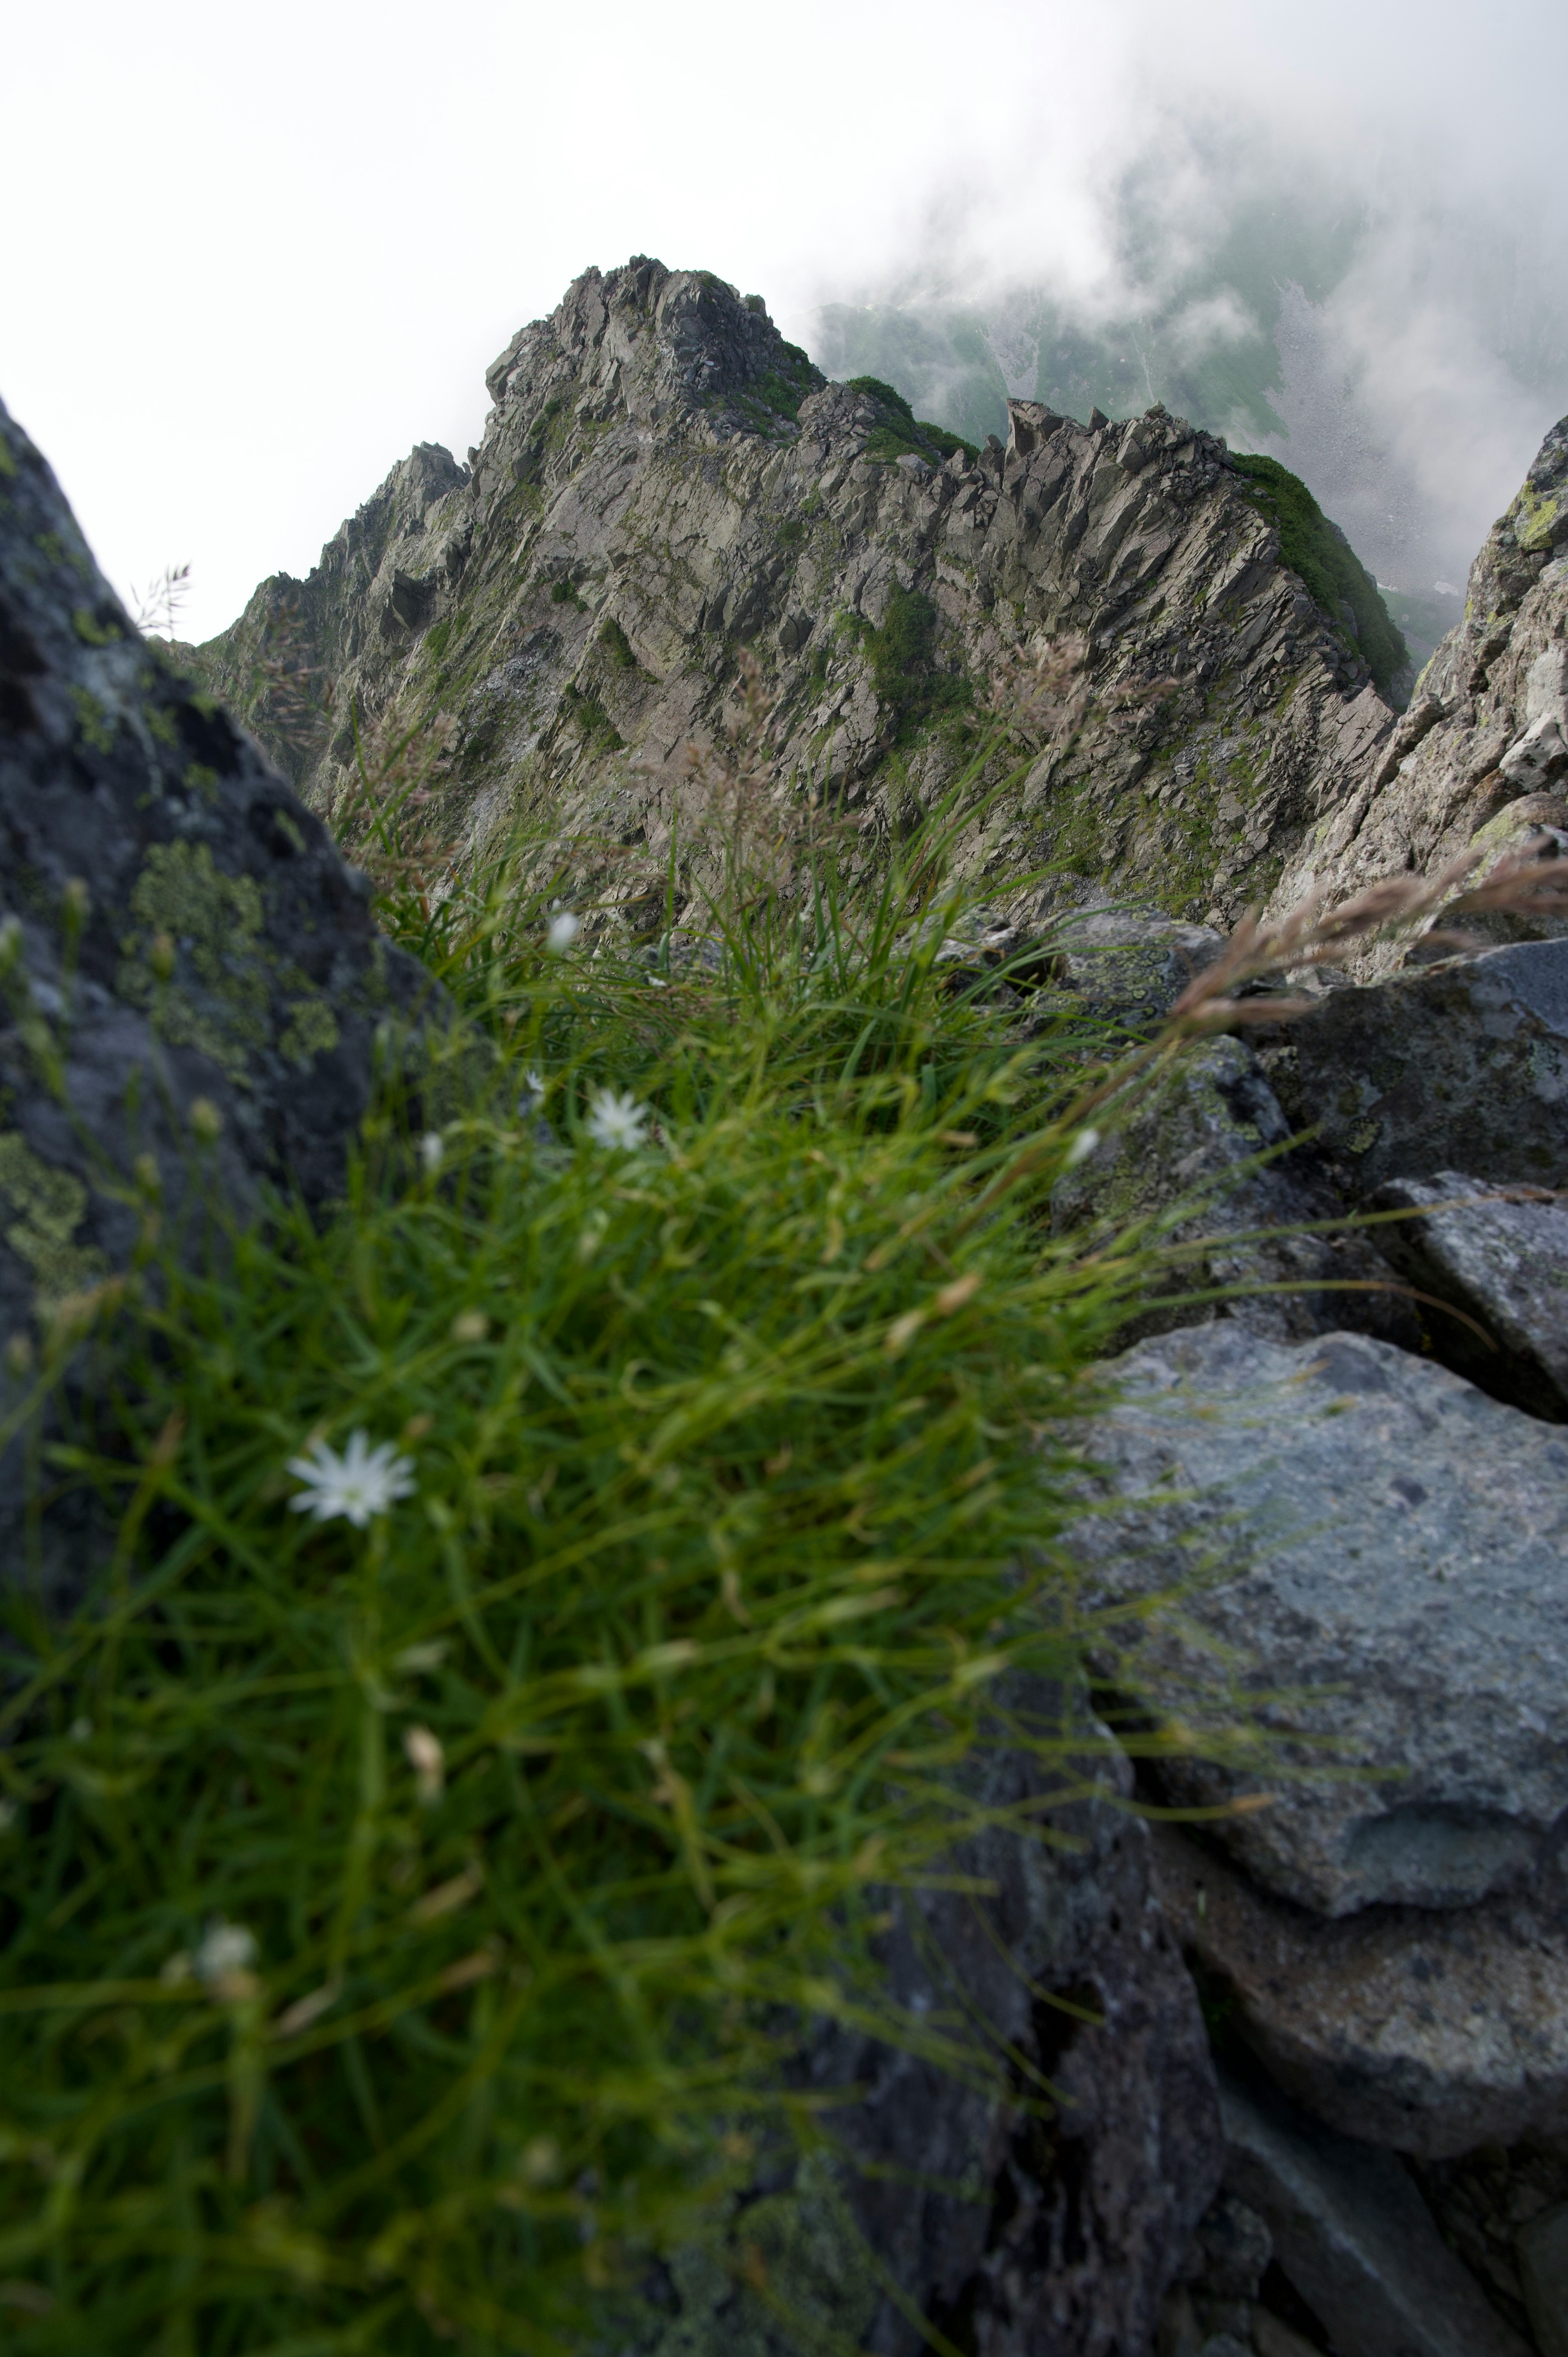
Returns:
point(1434, 2030)
point(1355, 2237)
point(175, 929)
point(1180, 1154)
point(1460, 1066)
point(662, 476)
point(1485, 729)
point(1127, 965)
point(1501, 1255)
point(1544, 2272)
point(1374, 1557)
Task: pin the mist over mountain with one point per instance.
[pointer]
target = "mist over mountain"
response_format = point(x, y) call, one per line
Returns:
point(1399, 348)
point(1138, 191)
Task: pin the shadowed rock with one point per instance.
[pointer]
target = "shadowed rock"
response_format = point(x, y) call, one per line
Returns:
point(1433, 2029)
point(1355, 2237)
point(1501, 1255)
point(192, 979)
point(1462, 1066)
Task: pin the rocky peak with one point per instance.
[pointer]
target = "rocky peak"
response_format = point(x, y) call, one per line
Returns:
point(652, 344)
point(663, 480)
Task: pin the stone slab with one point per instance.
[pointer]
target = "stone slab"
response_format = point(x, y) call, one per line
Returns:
point(1501, 1255)
point(1355, 2238)
point(1433, 2031)
point(1365, 1566)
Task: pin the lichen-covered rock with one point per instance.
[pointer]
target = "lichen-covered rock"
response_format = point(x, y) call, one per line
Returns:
point(1434, 2031)
point(191, 979)
point(1202, 1154)
point(662, 480)
point(1127, 965)
point(1481, 761)
point(1370, 1558)
point(1501, 1255)
point(1459, 1066)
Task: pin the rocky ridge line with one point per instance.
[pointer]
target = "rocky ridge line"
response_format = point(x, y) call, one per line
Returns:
point(663, 480)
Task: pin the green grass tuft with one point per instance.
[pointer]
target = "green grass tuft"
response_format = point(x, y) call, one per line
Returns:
point(394, 1922)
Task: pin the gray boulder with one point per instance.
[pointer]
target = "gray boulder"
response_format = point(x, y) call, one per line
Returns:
point(1201, 1157)
point(1501, 1255)
point(1354, 2236)
point(1127, 963)
point(1366, 1559)
point(1457, 1066)
point(192, 980)
point(1434, 2031)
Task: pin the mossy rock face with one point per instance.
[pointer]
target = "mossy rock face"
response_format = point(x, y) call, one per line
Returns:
point(188, 971)
point(1338, 583)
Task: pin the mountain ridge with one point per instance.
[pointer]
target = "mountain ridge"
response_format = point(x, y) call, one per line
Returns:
point(663, 480)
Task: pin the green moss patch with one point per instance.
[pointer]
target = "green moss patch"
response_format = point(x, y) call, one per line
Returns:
point(899, 433)
point(1333, 575)
point(42, 1209)
point(910, 684)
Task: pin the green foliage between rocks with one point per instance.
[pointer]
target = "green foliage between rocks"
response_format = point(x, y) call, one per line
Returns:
point(1333, 575)
point(902, 651)
point(401, 1925)
point(901, 432)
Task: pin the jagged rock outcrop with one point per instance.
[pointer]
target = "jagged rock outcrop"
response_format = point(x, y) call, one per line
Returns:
point(1480, 759)
point(663, 480)
point(191, 977)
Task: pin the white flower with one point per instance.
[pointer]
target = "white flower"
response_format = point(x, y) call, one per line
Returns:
point(564, 931)
point(1082, 1146)
point(361, 1483)
point(534, 1084)
point(225, 1948)
point(433, 1150)
point(617, 1120)
point(428, 1761)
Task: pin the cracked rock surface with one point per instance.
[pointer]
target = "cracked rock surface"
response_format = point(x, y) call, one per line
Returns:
point(1369, 1559)
point(1480, 759)
point(1501, 1255)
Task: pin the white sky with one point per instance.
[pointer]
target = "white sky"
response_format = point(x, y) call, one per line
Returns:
point(252, 253)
